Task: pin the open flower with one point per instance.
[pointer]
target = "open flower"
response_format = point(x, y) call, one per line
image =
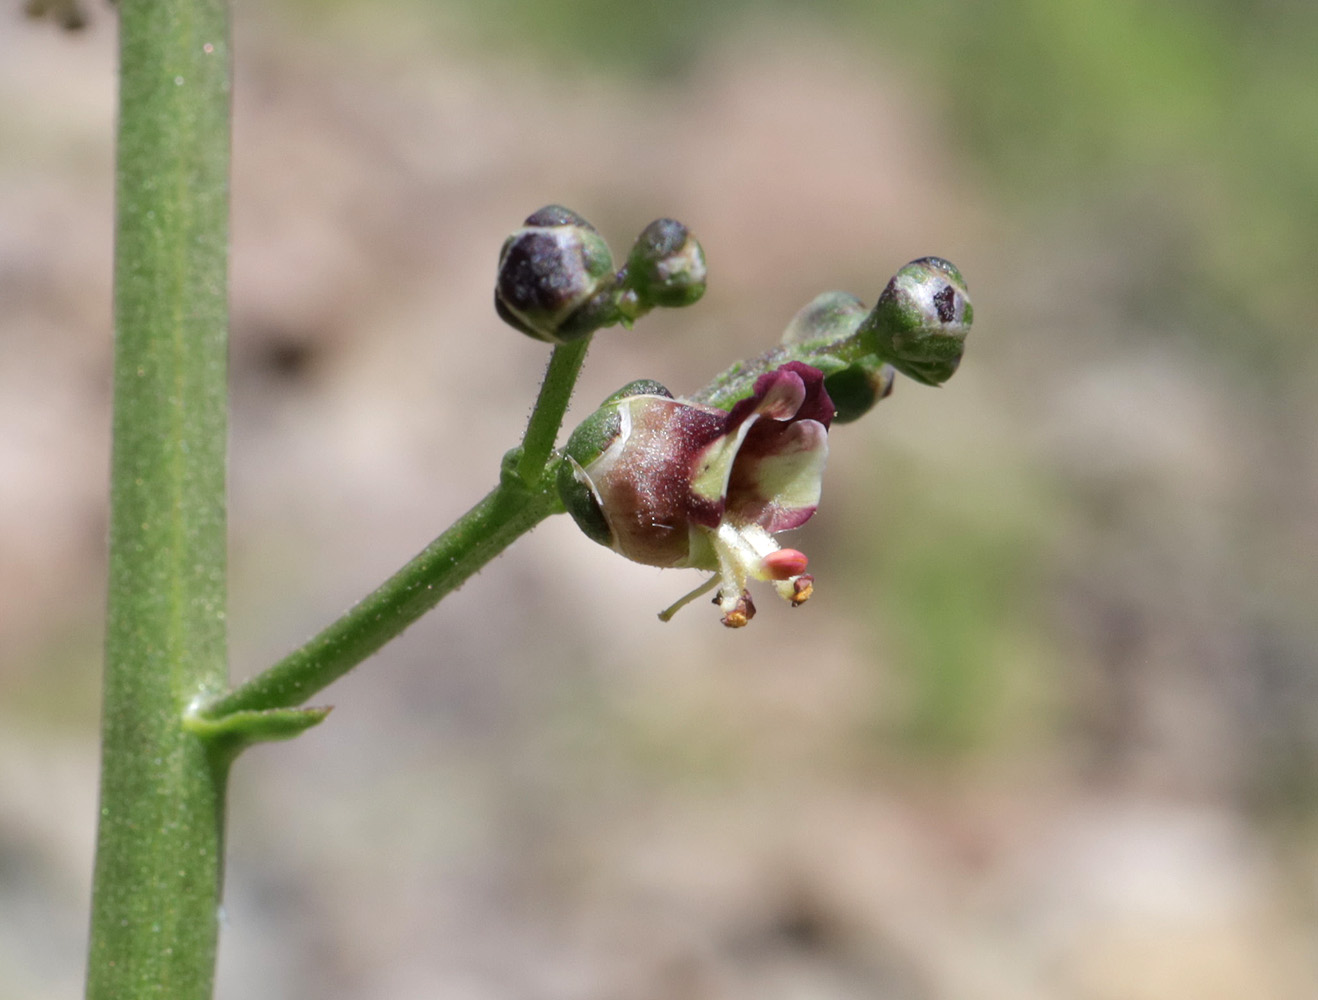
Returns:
point(678, 484)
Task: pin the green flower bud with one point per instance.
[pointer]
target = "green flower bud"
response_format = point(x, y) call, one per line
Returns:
point(921, 320)
point(590, 440)
point(666, 268)
point(556, 280)
point(830, 316)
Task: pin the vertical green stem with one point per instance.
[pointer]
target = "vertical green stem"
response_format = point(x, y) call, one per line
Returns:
point(550, 405)
point(158, 861)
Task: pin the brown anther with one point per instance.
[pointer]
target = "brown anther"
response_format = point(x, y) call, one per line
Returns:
point(741, 615)
point(802, 588)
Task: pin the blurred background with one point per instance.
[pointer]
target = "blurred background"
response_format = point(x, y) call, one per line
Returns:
point(1049, 728)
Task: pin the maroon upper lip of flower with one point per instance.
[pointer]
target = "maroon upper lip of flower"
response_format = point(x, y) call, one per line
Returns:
point(781, 434)
point(814, 405)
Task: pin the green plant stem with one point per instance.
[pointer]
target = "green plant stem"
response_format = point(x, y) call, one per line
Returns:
point(507, 512)
point(524, 497)
point(156, 888)
point(550, 405)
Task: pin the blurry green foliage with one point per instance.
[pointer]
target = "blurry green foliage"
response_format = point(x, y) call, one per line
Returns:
point(1208, 109)
point(951, 585)
point(960, 596)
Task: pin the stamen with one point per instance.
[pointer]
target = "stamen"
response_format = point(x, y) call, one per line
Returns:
point(742, 612)
point(802, 588)
point(784, 564)
point(667, 613)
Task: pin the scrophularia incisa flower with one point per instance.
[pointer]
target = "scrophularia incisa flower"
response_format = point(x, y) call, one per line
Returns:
point(678, 484)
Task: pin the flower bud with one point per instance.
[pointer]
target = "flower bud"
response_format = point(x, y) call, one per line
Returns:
point(556, 280)
point(921, 320)
point(829, 316)
point(666, 268)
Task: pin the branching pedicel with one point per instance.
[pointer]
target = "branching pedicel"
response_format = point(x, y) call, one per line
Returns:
point(706, 481)
point(703, 482)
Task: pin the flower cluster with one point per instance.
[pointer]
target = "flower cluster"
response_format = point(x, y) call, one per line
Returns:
point(706, 481)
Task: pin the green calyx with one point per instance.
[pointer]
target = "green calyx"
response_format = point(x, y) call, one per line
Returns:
point(638, 387)
point(592, 437)
point(856, 389)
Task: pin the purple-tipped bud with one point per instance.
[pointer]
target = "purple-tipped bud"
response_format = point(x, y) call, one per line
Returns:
point(556, 280)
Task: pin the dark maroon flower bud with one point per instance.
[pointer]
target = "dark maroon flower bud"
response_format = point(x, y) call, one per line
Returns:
point(556, 280)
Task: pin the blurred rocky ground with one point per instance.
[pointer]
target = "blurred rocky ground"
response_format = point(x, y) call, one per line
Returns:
point(1046, 731)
